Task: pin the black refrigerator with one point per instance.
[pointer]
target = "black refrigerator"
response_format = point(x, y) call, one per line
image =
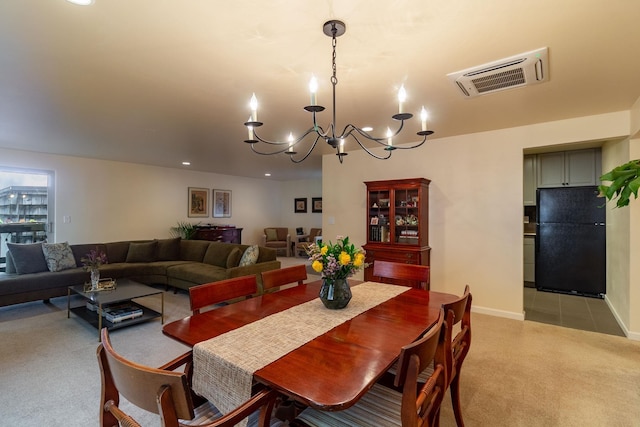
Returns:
point(570, 241)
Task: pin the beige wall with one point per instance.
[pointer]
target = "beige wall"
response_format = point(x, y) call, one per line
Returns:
point(110, 201)
point(300, 189)
point(475, 202)
point(634, 253)
point(618, 261)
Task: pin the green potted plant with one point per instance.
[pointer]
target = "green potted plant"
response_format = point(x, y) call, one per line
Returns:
point(183, 229)
point(625, 181)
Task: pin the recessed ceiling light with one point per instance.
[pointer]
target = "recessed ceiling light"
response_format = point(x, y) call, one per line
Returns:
point(367, 128)
point(267, 174)
point(81, 2)
point(186, 163)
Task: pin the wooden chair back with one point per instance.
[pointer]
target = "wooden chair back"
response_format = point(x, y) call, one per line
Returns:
point(273, 279)
point(212, 293)
point(458, 347)
point(421, 402)
point(416, 276)
point(460, 344)
point(167, 393)
point(140, 385)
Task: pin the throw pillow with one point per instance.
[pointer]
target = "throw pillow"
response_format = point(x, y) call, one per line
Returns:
point(169, 249)
point(250, 256)
point(10, 265)
point(234, 257)
point(59, 256)
point(28, 258)
point(142, 252)
point(272, 234)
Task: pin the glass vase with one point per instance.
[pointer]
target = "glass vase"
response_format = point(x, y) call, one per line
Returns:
point(95, 278)
point(335, 293)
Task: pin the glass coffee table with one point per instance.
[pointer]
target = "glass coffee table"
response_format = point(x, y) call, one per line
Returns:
point(125, 291)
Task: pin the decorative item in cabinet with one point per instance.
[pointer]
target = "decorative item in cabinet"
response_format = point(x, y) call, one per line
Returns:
point(398, 222)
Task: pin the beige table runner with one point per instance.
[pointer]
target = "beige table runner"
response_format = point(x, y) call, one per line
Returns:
point(224, 365)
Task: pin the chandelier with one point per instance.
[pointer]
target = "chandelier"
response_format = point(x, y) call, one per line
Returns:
point(333, 29)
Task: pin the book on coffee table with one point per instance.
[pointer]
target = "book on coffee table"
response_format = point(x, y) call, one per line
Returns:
point(119, 312)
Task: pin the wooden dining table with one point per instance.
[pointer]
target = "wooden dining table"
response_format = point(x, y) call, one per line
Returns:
point(332, 371)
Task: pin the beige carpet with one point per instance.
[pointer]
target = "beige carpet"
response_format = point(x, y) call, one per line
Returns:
point(516, 374)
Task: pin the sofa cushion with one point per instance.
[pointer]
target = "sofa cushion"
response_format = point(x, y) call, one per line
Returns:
point(58, 256)
point(234, 258)
point(117, 251)
point(142, 252)
point(217, 254)
point(195, 273)
point(272, 234)
point(168, 249)
point(250, 256)
point(193, 250)
point(28, 258)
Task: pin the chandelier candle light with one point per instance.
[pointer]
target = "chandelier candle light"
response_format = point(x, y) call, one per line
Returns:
point(334, 29)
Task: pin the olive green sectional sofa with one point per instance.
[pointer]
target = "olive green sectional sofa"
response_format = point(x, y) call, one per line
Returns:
point(35, 274)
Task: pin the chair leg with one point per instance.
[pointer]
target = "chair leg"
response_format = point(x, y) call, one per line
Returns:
point(455, 400)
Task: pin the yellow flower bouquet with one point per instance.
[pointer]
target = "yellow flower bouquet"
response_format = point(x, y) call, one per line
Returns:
point(336, 261)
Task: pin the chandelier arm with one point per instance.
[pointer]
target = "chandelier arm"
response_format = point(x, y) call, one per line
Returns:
point(370, 152)
point(280, 143)
point(319, 130)
point(381, 141)
point(399, 147)
point(308, 152)
point(253, 148)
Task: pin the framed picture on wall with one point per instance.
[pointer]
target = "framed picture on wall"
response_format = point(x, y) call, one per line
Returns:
point(221, 203)
point(316, 204)
point(198, 202)
point(300, 205)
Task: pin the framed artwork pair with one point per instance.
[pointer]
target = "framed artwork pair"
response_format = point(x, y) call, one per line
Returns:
point(199, 203)
point(300, 205)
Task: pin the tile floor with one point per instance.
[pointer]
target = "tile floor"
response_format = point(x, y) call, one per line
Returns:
point(571, 311)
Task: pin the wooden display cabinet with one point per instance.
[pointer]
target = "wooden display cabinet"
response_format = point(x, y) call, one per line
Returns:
point(397, 222)
point(219, 234)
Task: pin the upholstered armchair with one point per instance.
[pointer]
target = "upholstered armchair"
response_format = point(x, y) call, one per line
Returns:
point(277, 238)
point(305, 240)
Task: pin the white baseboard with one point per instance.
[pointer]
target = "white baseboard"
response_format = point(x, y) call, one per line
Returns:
point(497, 313)
point(630, 334)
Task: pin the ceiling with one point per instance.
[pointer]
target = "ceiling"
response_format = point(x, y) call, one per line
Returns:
point(159, 82)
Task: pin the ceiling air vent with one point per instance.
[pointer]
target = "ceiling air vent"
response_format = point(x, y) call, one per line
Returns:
point(516, 71)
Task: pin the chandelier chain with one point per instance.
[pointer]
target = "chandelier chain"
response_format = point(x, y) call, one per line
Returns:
point(334, 43)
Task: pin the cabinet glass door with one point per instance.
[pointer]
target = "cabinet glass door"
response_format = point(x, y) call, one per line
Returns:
point(406, 222)
point(379, 205)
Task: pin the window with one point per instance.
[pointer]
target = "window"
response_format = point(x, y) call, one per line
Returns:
point(26, 207)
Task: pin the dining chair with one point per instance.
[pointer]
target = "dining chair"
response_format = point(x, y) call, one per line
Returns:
point(273, 279)
point(168, 393)
point(416, 276)
point(218, 292)
point(458, 347)
point(416, 405)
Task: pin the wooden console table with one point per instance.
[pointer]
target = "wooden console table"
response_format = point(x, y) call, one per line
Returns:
point(219, 234)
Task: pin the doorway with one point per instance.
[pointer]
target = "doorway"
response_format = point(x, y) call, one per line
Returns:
point(561, 309)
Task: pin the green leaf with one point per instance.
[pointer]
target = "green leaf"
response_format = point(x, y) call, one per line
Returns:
point(634, 185)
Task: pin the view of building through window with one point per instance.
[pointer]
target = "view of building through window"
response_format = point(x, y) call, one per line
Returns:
point(24, 208)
